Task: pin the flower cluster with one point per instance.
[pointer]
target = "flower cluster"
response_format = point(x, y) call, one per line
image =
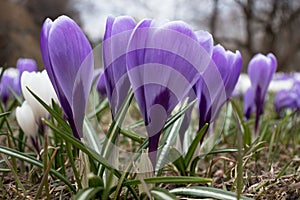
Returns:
point(164, 64)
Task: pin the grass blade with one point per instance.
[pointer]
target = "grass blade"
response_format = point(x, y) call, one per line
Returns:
point(88, 193)
point(194, 145)
point(207, 192)
point(167, 142)
point(53, 113)
point(91, 136)
point(170, 179)
point(33, 161)
point(162, 194)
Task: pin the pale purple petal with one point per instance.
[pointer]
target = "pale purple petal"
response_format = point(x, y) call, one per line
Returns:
point(116, 37)
point(285, 99)
point(26, 64)
point(68, 48)
point(249, 105)
point(101, 88)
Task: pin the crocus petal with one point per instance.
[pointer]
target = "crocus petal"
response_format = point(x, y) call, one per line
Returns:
point(285, 99)
point(68, 48)
point(67, 55)
point(39, 83)
point(249, 106)
point(116, 37)
point(81, 90)
point(173, 53)
point(26, 120)
point(229, 65)
point(101, 88)
point(45, 51)
point(26, 64)
point(206, 40)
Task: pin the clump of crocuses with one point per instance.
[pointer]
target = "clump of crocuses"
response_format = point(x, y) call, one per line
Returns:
point(68, 59)
point(260, 70)
point(163, 63)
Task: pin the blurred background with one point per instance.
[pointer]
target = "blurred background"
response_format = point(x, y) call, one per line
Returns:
point(250, 26)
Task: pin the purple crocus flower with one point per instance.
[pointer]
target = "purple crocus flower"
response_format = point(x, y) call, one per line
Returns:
point(249, 106)
point(261, 70)
point(115, 42)
point(285, 99)
point(163, 63)
point(26, 64)
point(288, 98)
point(9, 81)
point(68, 59)
point(216, 85)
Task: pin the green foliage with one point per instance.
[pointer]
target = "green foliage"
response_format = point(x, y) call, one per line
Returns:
point(82, 168)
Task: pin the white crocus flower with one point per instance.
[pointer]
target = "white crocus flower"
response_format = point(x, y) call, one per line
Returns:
point(40, 84)
point(26, 119)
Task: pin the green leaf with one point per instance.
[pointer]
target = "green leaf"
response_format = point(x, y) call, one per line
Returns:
point(179, 162)
point(91, 136)
point(4, 114)
point(33, 161)
point(244, 127)
point(99, 109)
point(195, 161)
point(78, 144)
point(168, 141)
point(114, 129)
point(176, 116)
point(206, 192)
point(162, 194)
point(170, 179)
point(90, 152)
point(53, 113)
point(132, 135)
point(88, 193)
point(17, 97)
point(194, 145)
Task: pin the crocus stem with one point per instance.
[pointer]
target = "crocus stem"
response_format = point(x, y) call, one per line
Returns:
point(73, 127)
point(153, 145)
point(259, 112)
point(35, 143)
